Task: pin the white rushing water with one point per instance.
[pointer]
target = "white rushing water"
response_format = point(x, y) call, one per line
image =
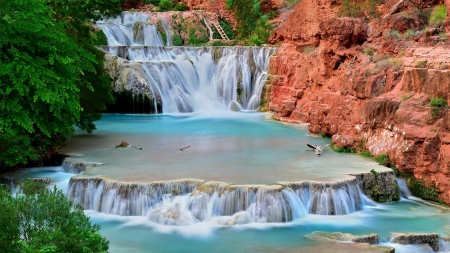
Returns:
point(185, 79)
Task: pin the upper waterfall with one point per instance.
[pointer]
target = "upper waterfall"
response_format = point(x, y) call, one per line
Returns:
point(182, 79)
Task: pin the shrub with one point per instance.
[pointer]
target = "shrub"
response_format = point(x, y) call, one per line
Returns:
point(436, 104)
point(166, 5)
point(366, 153)
point(180, 7)
point(45, 222)
point(341, 149)
point(409, 34)
point(394, 34)
point(368, 50)
point(443, 36)
point(383, 160)
point(176, 41)
point(438, 15)
point(421, 64)
point(227, 28)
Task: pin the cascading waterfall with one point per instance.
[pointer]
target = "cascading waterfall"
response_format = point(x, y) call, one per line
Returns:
point(184, 79)
point(188, 201)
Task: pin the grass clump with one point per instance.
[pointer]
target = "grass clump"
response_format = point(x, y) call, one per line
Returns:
point(368, 51)
point(383, 160)
point(421, 64)
point(438, 15)
point(341, 149)
point(366, 153)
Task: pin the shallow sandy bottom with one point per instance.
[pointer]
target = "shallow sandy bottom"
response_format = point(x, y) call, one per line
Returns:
point(239, 148)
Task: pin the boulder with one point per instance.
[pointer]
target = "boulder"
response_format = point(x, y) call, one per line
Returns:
point(402, 238)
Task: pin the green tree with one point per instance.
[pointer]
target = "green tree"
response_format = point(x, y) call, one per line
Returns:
point(246, 13)
point(47, 58)
point(45, 222)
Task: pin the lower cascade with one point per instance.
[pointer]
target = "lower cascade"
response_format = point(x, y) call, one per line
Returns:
point(187, 201)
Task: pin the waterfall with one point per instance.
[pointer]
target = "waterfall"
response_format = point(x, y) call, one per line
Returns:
point(404, 190)
point(182, 79)
point(124, 198)
point(187, 201)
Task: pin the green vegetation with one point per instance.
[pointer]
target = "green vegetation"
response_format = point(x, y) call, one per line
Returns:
point(176, 40)
point(365, 9)
point(45, 222)
point(341, 149)
point(419, 188)
point(421, 64)
point(383, 160)
point(368, 50)
point(366, 153)
point(374, 173)
point(394, 34)
point(409, 34)
point(436, 104)
point(443, 36)
point(51, 75)
point(193, 40)
point(228, 29)
point(253, 26)
point(438, 15)
point(290, 4)
point(308, 49)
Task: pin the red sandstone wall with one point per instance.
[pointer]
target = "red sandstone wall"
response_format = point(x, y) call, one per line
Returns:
point(366, 101)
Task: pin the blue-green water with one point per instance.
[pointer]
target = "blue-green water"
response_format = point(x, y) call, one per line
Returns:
point(240, 148)
point(237, 148)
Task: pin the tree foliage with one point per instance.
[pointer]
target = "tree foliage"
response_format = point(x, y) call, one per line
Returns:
point(45, 222)
point(51, 75)
point(252, 26)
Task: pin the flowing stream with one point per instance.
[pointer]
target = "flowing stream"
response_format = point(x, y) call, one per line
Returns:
point(202, 178)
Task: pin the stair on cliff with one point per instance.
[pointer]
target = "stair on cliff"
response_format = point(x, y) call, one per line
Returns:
point(219, 28)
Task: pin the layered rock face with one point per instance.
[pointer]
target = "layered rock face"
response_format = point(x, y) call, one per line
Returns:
point(367, 83)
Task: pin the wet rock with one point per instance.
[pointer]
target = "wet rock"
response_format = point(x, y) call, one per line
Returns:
point(370, 239)
point(71, 166)
point(402, 238)
point(381, 187)
point(235, 106)
point(344, 141)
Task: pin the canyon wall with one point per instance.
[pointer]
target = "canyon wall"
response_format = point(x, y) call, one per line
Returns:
point(368, 83)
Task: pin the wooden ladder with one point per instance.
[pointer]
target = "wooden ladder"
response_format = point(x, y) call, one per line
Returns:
point(219, 29)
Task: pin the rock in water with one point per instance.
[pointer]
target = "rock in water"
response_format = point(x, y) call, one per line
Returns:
point(235, 106)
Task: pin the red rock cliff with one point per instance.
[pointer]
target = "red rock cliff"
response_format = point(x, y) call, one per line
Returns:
point(368, 87)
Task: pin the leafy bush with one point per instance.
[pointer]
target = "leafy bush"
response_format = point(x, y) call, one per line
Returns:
point(166, 5)
point(368, 50)
point(383, 160)
point(176, 41)
point(180, 7)
point(197, 41)
point(436, 104)
point(438, 15)
point(45, 222)
point(228, 29)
